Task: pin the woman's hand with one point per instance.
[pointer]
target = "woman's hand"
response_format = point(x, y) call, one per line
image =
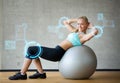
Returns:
point(68, 24)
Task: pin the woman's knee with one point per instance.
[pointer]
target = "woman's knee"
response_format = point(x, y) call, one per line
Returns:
point(32, 50)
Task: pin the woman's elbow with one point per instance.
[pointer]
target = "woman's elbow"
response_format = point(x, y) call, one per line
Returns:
point(96, 31)
point(65, 22)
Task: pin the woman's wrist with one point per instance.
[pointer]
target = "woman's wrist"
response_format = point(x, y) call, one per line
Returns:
point(72, 21)
point(93, 33)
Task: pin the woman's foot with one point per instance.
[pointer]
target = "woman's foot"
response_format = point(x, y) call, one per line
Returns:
point(18, 76)
point(38, 75)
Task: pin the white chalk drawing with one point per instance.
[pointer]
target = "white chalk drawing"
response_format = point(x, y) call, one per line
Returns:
point(11, 44)
point(21, 29)
point(56, 29)
point(106, 23)
point(20, 35)
point(100, 17)
point(32, 43)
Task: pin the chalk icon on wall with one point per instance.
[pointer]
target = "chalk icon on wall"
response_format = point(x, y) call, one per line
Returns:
point(105, 24)
point(100, 17)
point(56, 29)
point(20, 35)
point(11, 44)
point(21, 29)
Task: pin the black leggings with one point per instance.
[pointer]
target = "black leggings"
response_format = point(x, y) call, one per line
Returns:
point(52, 54)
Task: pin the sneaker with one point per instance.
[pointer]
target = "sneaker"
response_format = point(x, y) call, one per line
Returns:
point(38, 75)
point(18, 76)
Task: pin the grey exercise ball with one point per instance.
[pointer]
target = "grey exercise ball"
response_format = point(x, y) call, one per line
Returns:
point(78, 62)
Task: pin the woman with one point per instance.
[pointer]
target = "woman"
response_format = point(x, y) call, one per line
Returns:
point(77, 37)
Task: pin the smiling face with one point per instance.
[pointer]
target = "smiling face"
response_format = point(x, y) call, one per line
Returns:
point(82, 24)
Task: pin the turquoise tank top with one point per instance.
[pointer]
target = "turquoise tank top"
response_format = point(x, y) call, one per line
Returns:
point(74, 39)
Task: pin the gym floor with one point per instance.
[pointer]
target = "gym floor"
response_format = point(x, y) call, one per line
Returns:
point(55, 77)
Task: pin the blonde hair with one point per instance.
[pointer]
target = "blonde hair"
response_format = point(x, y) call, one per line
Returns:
point(84, 18)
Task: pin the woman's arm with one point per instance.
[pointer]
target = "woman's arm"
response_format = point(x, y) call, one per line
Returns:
point(90, 35)
point(68, 24)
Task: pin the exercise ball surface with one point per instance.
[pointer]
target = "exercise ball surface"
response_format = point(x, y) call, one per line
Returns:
point(78, 62)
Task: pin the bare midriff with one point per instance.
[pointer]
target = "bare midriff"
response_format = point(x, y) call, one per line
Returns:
point(66, 44)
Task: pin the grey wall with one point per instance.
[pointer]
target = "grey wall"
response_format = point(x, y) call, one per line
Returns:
point(28, 20)
point(0, 32)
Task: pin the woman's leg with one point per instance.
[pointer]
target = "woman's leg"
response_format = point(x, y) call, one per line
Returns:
point(39, 73)
point(38, 65)
point(22, 74)
point(26, 65)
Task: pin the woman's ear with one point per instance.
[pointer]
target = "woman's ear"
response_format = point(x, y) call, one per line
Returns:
point(88, 23)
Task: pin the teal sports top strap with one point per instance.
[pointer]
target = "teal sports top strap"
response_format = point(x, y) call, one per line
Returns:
point(74, 39)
